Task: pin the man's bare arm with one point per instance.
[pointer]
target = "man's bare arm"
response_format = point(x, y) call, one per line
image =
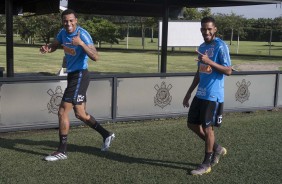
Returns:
point(90, 51)
point(49, 47)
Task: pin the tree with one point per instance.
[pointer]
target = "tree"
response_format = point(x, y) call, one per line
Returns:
point(2, 24)
point(43, 27)
point(261, 29)
point(152, 23)
point(102, 30)
point(192, 14)
point(230, 22)
point(26, 28)
point(47, 26)
point(205, 12)
point(196, 13)
point(277, 23)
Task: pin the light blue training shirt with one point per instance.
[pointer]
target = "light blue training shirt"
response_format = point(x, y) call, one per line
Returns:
point(211, 85)
point(75, 56)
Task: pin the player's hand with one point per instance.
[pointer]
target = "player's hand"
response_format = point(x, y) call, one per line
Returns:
point(204, 58)
point(186, 100)
point(76, 40)
point(44, 49)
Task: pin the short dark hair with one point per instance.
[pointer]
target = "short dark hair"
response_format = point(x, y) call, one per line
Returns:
point(208, 19)
point(67, 12)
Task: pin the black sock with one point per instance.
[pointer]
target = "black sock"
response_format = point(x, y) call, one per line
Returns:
point(216, 147)
point(208, 158)
point(63, 143)
point(96, 126)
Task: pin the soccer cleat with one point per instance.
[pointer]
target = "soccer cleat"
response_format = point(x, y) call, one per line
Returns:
point(201, 169)
point(56, 156)
point(107, 142)
point(217, 154)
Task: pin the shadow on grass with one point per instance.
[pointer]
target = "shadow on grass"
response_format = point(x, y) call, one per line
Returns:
point(11, 145)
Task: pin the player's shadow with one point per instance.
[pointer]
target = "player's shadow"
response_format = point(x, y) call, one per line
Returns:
point(50, 146)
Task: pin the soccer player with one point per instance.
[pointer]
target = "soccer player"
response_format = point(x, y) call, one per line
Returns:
point(206, 108)
point(78, 47)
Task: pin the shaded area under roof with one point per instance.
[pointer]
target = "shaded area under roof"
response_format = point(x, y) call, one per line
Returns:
point(38, 7)
point(152, 8)
point(122, 7)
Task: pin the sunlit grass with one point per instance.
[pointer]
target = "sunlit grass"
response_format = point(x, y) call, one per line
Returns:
point(118, 59)
point(159, 151)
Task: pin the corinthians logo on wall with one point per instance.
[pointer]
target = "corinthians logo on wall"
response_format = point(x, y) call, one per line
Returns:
point(163, 97)
point(56, 97)
point(243, 92)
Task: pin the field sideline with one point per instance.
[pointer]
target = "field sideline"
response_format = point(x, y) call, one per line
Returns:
point(158, 151)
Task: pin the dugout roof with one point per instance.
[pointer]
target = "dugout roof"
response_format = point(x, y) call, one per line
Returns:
point(121, 7)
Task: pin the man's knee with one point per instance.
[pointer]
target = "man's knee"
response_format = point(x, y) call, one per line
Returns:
point(81, 116)
point(61, 112)
point(209, 131)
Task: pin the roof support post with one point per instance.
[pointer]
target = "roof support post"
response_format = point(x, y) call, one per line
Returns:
point(9, 38)
point(164, 37)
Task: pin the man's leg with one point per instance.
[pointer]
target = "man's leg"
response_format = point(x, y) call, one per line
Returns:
point(197, 129)
point(209, 144)
point(202, 133)
point(81, 114)
point(64, 124)
point(213, 151)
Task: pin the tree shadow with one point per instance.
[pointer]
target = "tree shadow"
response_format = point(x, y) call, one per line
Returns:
point(11, 144)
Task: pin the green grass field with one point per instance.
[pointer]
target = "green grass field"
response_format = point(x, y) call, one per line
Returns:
point(160, 151)
point(118, 59)
point(150, 152)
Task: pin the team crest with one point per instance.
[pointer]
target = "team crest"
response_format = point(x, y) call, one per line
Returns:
point(243, 92)
point(163, 97)
point(56, 97)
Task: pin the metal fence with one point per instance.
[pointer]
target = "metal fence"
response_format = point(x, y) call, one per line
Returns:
point(32, 103)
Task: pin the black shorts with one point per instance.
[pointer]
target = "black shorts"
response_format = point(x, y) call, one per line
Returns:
point(78, 83)
point(206, 113)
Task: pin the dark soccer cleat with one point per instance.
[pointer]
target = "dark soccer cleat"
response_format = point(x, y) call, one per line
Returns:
point(217, 154)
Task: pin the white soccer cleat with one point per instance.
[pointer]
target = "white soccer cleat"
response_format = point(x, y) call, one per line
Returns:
point(107, 142)
point(201, 169)
point(56, 156)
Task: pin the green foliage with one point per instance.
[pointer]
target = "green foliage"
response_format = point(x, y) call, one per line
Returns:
point(151, 22)
point(192, 14)
point(112, 28)
point(48, 26)
point(2, 24)
point(26, 27)
point(102, 30)
point(230, 25)
point(277, 23)
point(196, 14)
point(205, 12)
point(43, 27)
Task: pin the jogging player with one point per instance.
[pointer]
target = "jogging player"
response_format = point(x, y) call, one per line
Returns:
point(78, 47)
